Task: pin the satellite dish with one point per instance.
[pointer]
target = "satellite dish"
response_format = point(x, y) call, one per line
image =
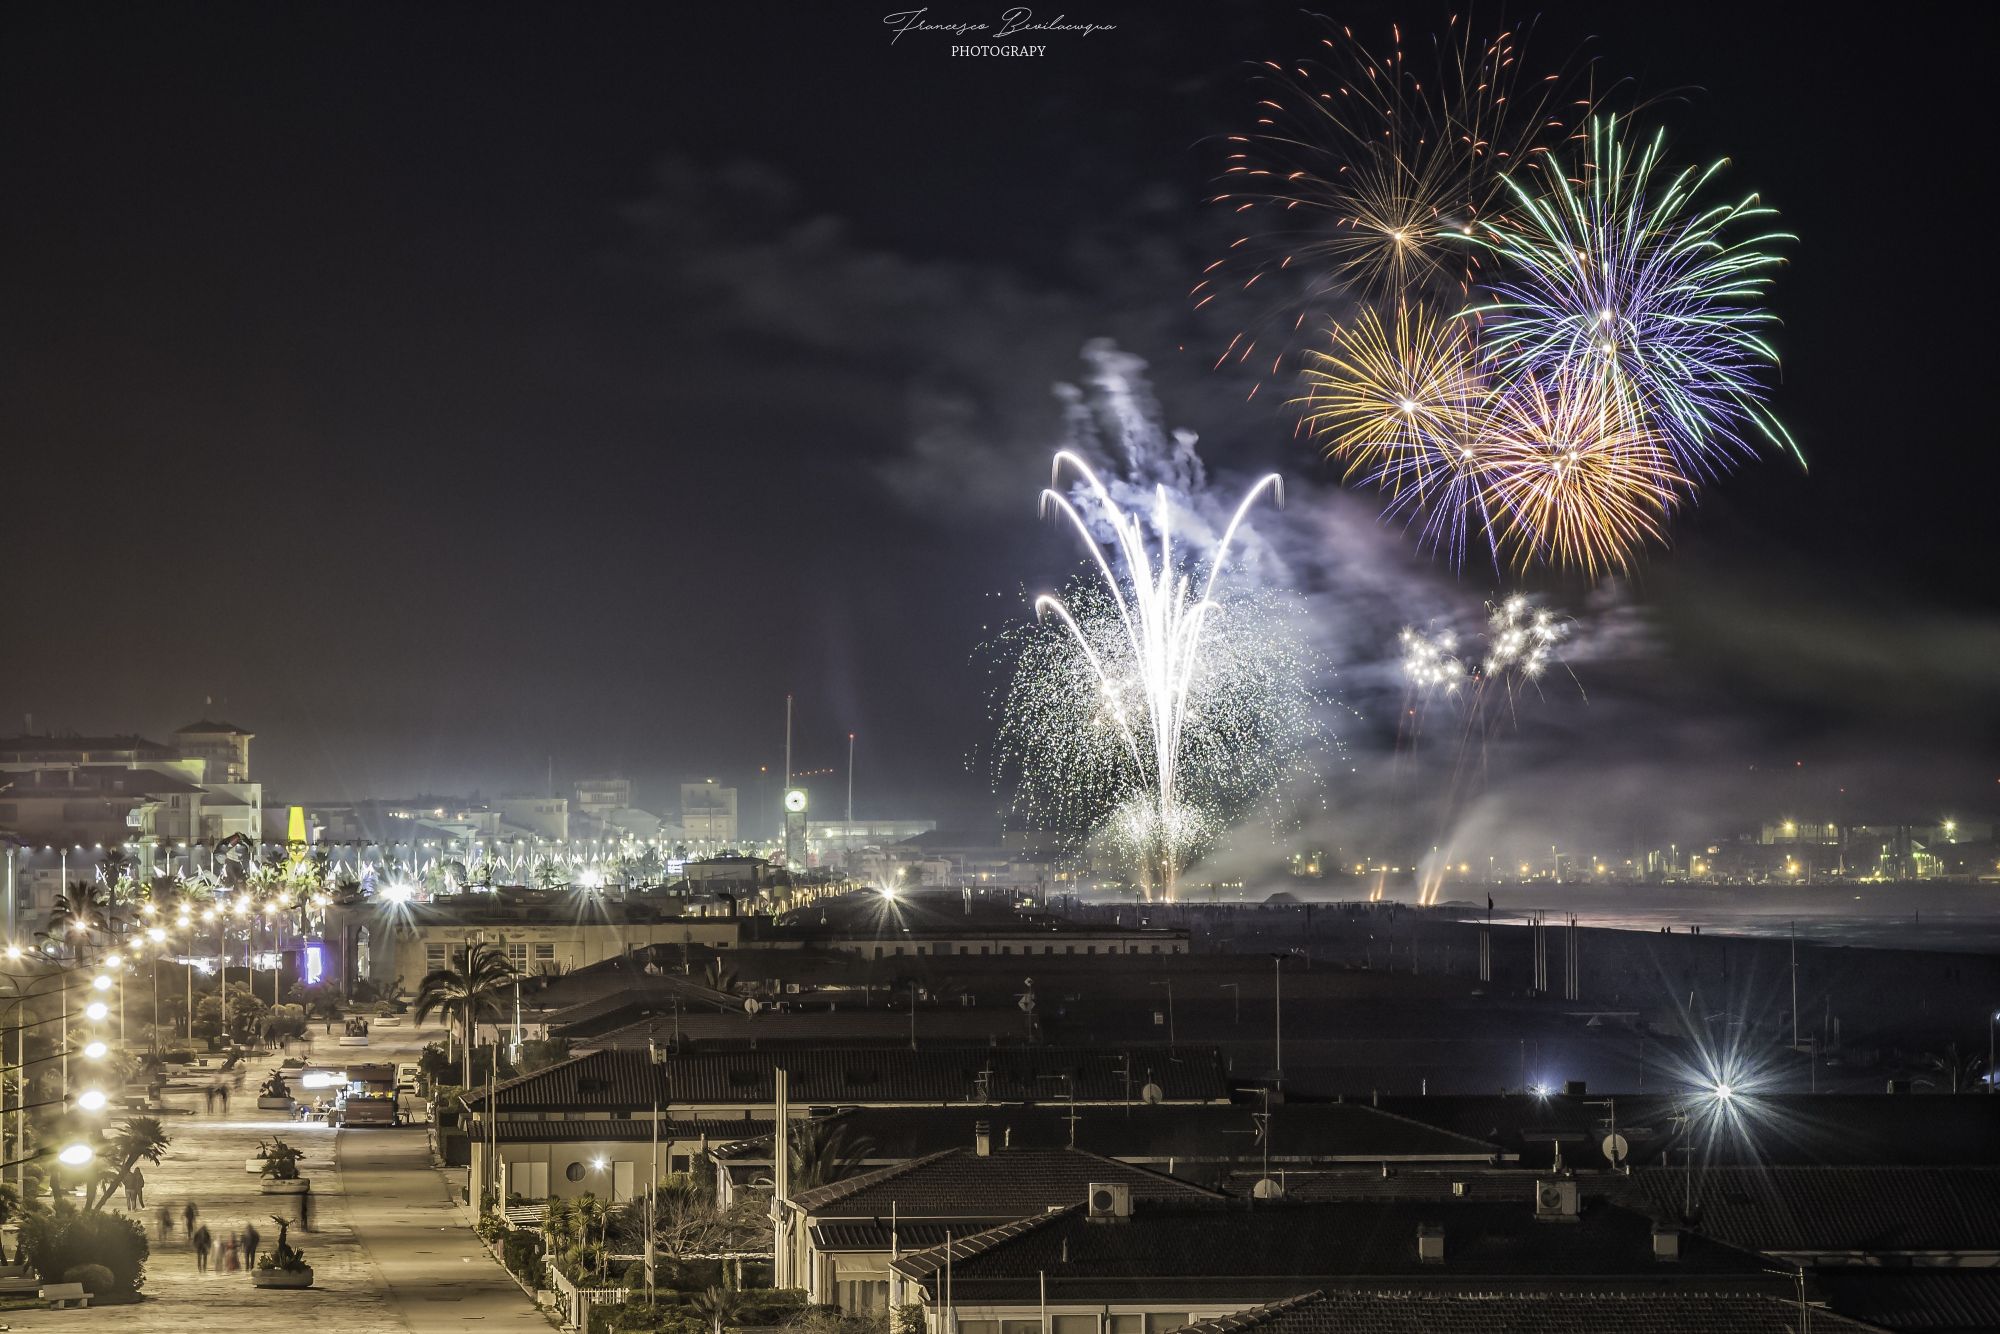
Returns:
point(1616, 1150)
point(1267, 1189)
point(751, 1005)
point(1152, 1093)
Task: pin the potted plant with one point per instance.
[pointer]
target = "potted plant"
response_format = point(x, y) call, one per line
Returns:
point(275, 1095)
point(284, 1265)
point(281, 1168)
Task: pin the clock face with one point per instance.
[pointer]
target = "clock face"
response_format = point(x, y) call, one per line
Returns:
point(795, 800)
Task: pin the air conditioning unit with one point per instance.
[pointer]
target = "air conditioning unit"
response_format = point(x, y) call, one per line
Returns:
point(1110, 1199)
point(1555, 1198)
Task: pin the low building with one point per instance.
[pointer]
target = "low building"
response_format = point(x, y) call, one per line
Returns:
point(837, 1241)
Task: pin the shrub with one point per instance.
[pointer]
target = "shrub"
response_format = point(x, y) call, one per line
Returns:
point(96, 1279)
point(521, 1252)
point(491, 1227)
point(60, 1241)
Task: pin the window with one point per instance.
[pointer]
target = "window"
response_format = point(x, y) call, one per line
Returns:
point(1160, 1322)
point(1073, 1324)
point(1020, 1327)
point(574, 1171)
point(677, 1162)
point(545, 953)
point(433, 957)
point(517, 956)
point(1125, 1324)
point(861, 1295)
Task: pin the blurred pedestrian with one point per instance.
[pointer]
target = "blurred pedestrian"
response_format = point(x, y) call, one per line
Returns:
point(201, 1240)
point(223, 1093)
point(135, 1190)
point(229, 1263)
point(188, 1217)
point(252, 1238)
point(166, 1221)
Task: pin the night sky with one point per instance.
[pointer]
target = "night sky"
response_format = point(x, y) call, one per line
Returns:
point(440, 390)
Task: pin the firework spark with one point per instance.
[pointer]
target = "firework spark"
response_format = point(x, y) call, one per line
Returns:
point(1144, 706)
point(1430, 661)
point(1614, 269)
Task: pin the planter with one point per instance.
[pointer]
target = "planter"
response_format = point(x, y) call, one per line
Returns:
point(345, 1041)
point(254, 1166)
point(274, 1104)
point(296, 1186)
point(282, 1278)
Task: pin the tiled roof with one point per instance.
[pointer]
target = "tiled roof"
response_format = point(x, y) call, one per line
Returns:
point(1428, 1183)
point(228, 729)
point(1787, 1128)
point(1921, 1300)
point(1839, 1208)
point(1233, 1252)
point(1008, 1183)
point(1303, 1132)
point(1422, 1312)
point(576, 1132)
point(627, 1080)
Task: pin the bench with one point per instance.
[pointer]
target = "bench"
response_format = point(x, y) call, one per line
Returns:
point(59, 1295)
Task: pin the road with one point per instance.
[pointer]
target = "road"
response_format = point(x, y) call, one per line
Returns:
point(390, 1252)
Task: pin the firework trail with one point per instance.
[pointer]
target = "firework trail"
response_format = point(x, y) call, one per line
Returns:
point(1146, 707)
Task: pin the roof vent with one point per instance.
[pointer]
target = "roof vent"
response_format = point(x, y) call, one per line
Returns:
point(1666, 1243)
point(1574, 1088)
point(1430, 1243)
point(982, 1139)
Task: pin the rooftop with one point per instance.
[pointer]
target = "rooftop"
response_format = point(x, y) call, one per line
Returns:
point(1234, 1252)
point(628, 1080)
point(1423, 1312)
point(1005, 1184)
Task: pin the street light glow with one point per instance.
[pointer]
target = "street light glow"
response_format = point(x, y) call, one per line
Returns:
point(96, 1011)
point(91, 1100)
point(95, 1050)
point(102, 982)
point(76, 1155)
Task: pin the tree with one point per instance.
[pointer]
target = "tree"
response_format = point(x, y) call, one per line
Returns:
point(77, 915)
point(823, 1154)
point(715, 1306)
point(140, 1137)
point(470, 992)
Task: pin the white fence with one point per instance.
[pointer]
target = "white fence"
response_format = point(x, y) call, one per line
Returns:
point(573, 1303)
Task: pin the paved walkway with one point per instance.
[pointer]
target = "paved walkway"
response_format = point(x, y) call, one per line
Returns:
point(390, 1252)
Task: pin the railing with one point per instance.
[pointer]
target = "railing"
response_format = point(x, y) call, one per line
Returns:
point(573, 1303)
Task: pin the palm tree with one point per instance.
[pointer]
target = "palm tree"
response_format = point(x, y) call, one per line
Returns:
point(823, 1154)
point(140, 1137)
point(76, 915)
point(715, 1306)
point(469, 992)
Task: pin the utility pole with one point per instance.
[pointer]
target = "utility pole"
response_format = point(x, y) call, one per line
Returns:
point(788, 741)
point(1795, 986)
point(1278, 1016)
point(850, 781)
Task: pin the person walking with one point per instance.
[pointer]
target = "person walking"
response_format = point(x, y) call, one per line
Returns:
point(135, 1190)
point(201, 1240)
point(224, 1092)
point(252, 1238)
point(166, 1221)
point(229, 1263)
point(188, 1216)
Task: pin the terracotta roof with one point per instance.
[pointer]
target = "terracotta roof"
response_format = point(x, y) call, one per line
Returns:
point(1421, 1312)
point(576, 1132)
point(1008, 1183)
point(220, 729)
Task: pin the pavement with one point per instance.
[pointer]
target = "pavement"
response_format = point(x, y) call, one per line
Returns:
point(390, 1250)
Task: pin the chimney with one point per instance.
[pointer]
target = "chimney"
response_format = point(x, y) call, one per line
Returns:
point(1007, 1137)
point(982, 1139)
point(1666, 1243)
point(1430, 1243)
point(1574, 1088)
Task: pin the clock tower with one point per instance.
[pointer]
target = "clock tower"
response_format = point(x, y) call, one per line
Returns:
point(795, 827)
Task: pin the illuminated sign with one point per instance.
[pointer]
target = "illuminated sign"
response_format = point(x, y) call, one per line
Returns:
point(315, 962)
point(323, 1079)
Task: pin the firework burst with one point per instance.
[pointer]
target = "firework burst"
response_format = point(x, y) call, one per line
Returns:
point(1613, 269)
point(1146, 707)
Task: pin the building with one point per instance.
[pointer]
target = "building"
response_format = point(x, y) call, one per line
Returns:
point(708, 813)
point(1113, 1263)
point(222, 748)
point(541, 817)
point(841, 840)
point(598, 798)
point(836, 1241)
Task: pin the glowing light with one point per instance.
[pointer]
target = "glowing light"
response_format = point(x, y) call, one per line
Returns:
point(95, 1050)
point(96, 1011)
point(100, 983)
point(76, 1155)
point(92, 1100)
